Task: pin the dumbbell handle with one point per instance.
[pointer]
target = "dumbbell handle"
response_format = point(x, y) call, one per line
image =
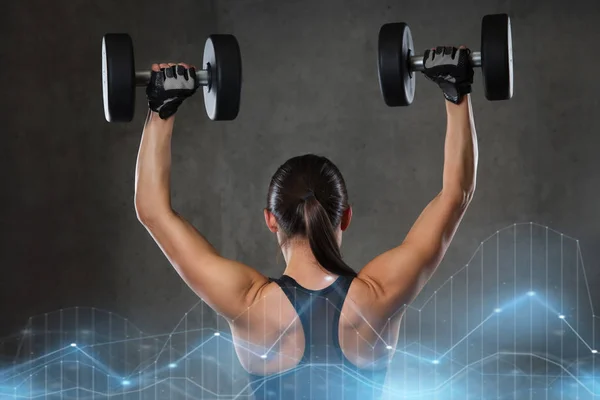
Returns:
point(416, 62)
point(142, 78)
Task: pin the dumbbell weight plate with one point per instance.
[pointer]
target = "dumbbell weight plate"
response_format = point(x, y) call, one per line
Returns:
point(497, 57)
point(118, 77)
point(223, 60)
point(396, 81)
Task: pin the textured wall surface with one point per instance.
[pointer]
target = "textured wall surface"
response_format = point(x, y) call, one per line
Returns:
point(70, 236)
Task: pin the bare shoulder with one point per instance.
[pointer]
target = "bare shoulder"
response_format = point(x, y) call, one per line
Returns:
point(269, 305)
point(365, 299)
point(363, 290)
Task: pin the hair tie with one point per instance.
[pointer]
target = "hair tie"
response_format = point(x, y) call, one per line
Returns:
point(308, 195)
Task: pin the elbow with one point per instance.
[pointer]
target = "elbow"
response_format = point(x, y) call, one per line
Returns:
point(147, 213)
point(467, 195)
point(460, 197)
point(150, 206)
point(142, 217)
point(143, 213)
point(151, 219)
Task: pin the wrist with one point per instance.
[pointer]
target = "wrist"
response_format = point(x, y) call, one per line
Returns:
point(458, 109)
point(156, 125)
point(154, 118)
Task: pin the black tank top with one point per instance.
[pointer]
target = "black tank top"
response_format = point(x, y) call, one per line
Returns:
point(323, 372)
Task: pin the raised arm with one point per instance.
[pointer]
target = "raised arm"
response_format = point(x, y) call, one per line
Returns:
point(398, 275)
point(227, 286)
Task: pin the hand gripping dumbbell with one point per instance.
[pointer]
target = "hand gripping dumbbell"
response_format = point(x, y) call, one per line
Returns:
point(397, 62)
point(220, 77)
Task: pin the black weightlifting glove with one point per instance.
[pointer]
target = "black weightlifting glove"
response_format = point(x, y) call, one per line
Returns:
point(169, 87)
point(451, 69)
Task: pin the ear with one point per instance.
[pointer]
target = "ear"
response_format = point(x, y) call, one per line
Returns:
point(346, 218)
point(271, 221)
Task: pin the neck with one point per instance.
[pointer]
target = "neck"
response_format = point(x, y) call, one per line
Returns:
point(304, 267)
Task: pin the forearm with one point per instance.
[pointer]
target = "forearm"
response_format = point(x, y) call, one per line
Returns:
point(153, 168)
point(460, 152)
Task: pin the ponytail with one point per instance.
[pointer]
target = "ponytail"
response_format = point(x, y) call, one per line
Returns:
point(321, 237)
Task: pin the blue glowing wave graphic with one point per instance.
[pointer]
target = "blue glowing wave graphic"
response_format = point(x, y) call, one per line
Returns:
point(516, 322)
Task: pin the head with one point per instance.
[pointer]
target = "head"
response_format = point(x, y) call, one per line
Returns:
point(307, 200)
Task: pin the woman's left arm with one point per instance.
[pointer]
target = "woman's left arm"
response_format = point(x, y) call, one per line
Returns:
point(226, 286)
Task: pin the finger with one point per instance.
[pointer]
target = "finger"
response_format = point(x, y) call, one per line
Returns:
point(155, 67)
point(171, 71)
point(184, 65)
point(429, 52)
point(163, 67)
point(182, 71)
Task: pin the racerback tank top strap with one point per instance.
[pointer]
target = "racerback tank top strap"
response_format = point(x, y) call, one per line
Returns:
point(319, 313)
point(318, 375)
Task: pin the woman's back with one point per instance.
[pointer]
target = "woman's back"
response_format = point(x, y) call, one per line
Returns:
point(314, 343)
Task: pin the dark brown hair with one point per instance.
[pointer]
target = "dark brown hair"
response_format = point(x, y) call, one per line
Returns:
point(308, 197)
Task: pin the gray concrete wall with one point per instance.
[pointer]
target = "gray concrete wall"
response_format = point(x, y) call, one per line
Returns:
point(69, 231)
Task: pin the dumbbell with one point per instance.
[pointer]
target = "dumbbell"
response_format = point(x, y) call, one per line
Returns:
point(397, 62)
point(220, 77)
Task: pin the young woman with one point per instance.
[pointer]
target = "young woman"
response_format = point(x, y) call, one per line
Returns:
point(321, 330)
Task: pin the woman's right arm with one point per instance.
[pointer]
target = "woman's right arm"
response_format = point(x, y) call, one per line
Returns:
point(227, 286)
point(398, 275)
